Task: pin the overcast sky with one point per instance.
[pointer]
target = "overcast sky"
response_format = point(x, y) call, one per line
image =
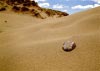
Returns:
point(69, 6)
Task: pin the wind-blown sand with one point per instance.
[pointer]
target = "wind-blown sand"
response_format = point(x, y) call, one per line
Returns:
point(30, 44)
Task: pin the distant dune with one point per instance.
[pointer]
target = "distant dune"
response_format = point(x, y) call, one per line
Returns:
point(31, 44)
point(29, 7)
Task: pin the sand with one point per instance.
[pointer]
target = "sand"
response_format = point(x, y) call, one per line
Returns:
point(31, 44)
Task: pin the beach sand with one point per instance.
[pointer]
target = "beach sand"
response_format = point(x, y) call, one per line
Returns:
point(31, 44)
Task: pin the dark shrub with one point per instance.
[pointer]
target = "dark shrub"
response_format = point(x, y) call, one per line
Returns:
point(15, 8)
point(24, 9)
point(39, 8)
point(48, 13)
point(11, 2)
point(2, 9)
point(26, 4)
point(32, 11)
point(64, 14)
point(36, 14)
point(34, 3)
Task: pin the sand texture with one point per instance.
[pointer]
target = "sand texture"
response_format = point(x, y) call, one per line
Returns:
point(31, 44)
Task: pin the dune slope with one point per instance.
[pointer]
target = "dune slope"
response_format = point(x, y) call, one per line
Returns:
point(30, 44)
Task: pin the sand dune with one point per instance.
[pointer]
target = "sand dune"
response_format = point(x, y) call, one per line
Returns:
point(30, 44)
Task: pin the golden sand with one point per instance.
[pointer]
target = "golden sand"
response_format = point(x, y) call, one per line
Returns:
point(30, 44)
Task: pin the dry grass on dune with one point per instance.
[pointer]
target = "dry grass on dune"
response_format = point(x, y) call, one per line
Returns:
point(29, 7)
point(30, 44)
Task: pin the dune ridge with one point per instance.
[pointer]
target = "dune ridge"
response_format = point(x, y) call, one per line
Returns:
point(29, 7)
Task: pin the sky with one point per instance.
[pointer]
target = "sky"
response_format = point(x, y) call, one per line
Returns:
point(69, 6)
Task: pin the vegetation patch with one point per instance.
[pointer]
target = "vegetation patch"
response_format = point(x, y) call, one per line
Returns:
point(29, 7)
point(2, 6)
point(24, 9)
point(15, 8)
point(2, 9)
point(51, 12)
